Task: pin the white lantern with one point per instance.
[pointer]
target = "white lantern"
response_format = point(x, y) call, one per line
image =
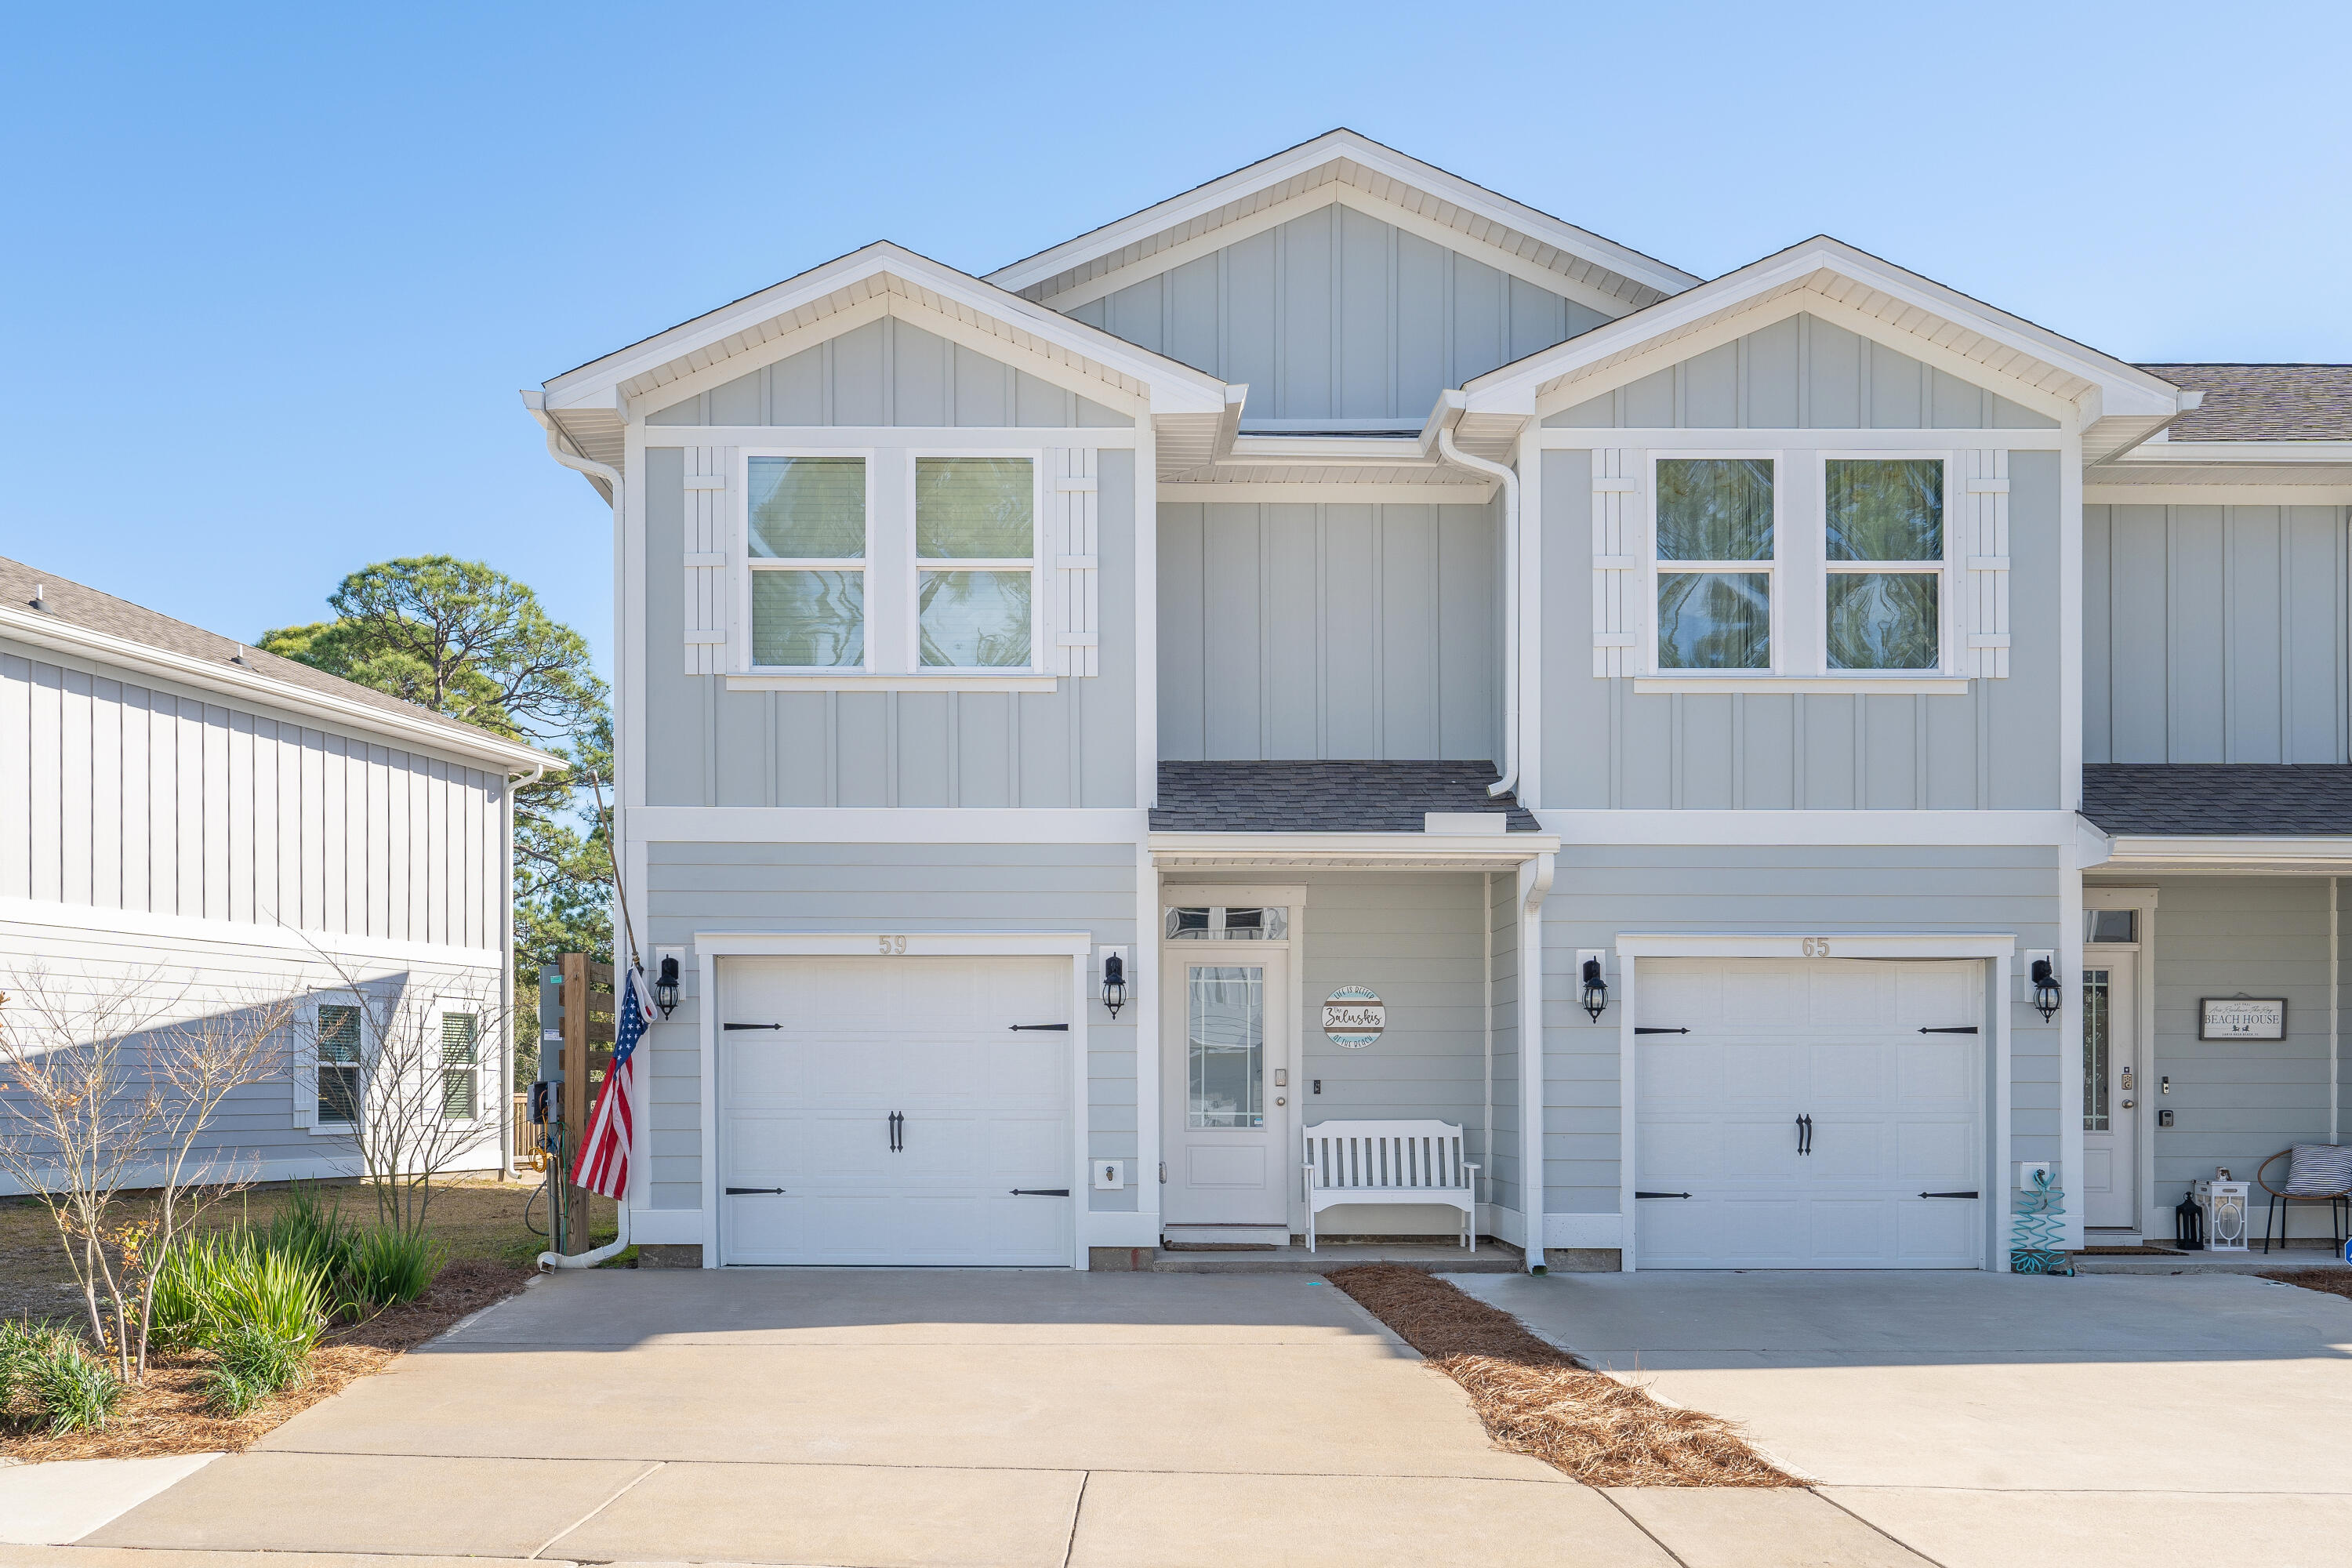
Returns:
point(2224, 1203)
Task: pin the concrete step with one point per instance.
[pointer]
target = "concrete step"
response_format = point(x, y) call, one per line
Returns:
point(1492, 1258)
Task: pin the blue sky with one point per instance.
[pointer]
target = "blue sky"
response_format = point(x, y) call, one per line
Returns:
point(274, 274)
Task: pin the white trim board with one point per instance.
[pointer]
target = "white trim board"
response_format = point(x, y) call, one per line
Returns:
point(884, 825)
point(94, 923)
point(2162, 492)
point(1442, 850)
point(865, 437)
point(1309, 492)
point(1840, 944)
point(909, 944)
point(1832, 441)
point(2309, 856)
point(1579, 828)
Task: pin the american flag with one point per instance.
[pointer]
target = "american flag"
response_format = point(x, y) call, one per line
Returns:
point(603, 1165)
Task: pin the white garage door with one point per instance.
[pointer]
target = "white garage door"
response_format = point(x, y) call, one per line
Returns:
point(903, 1117)
point(1818, 1114)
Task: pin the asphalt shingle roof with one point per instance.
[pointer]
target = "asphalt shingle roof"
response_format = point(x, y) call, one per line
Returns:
point(2234, 798)
point(2264, 401)
point(65, 600)
point(1324, 797)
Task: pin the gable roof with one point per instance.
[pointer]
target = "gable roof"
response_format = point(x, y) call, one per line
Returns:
point(589, 402)
point(112, 628)
point(1342, 165)
point(2123, 402)
point(2264, 401)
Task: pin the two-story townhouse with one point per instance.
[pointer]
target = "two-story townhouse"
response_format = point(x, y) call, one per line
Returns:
point(1657, 706)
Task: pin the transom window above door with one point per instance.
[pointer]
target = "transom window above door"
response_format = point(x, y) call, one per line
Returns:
point(891, 563)
point(1217, 923)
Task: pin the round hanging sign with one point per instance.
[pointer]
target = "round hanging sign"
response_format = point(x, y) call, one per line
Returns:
point(1354, 1017)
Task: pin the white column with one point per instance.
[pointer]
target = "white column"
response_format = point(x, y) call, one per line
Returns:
point(1534, 884)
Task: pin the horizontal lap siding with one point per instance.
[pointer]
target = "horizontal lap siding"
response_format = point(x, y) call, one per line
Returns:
point(1072, 746)
point(182, 979)
point(693, 888)
point(121, 796)
point(1801, 374)
point(2235, 1104)
point(1607, 746)
point(1336, 315)
point(1600, 893)
point(2214, 633)
point(1418, 942)
point(1329, 631)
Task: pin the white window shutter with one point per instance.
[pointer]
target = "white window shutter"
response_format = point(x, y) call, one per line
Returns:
point(1619, 547)
point(1071, 581)
point(708, 529)
point(1983, 579)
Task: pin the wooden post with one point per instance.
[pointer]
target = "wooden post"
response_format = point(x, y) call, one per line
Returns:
point(576, 1103)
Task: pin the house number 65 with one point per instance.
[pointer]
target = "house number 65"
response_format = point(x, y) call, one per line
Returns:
point(1817, 947)
point(894, 943)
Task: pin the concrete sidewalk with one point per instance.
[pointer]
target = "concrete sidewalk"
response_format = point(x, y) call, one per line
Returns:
point(2006, 1420)
point(926, 1418)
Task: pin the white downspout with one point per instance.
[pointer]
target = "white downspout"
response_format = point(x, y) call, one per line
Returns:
point(1535, 885)
point(1460, 459)
point(611, 477)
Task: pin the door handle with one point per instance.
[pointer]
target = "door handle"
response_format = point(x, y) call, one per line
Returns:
point(2131, 1104)
point(1041, 1192)
point(1804, 1135)
point(739, 1192)
point(897, 1132)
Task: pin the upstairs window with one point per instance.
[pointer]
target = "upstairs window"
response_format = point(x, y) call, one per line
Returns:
point(1715, 562)
point(976, 556)
point(807, 554)
point(1885, 538)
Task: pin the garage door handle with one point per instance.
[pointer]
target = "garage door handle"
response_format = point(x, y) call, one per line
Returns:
point(1065, 1028)
point(1041, 1192)
point(1947, 1194)
point(1662, 1194)
point(739, 1192)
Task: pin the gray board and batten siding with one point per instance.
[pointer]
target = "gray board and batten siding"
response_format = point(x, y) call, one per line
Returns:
point(861, 887)
point(2214, 633)
point(131, 795)
point(891, 372)
point(1072, 746)
point(1601, 892)
point(1993, 747)
point(1336, 315)
point(1801, 374)
point(1329, 630)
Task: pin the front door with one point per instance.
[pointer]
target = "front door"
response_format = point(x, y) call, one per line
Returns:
point(1227, 1052)
point(2110, 1096)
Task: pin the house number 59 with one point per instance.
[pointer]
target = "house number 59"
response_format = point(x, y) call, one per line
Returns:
point(1817, 947)
point(893, 944)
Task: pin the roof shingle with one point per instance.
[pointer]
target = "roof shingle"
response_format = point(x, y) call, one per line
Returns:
point(1325, 797)
point(2248, 799)
point(2264, 401)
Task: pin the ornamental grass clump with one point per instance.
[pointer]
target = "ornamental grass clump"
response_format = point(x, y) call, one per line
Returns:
point(258, 1308)
point(392, 1267)
point(48, 1378)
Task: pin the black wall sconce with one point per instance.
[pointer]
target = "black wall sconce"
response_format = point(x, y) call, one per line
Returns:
point(1596, 990)
point(2047, 997)
point(665, 987)
point(1114, 991)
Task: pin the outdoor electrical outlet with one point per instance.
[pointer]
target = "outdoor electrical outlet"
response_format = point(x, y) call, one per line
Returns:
point(1110, 1175)
point(2164, 1119)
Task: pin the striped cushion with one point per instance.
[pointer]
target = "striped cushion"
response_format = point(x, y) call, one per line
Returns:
point(2318, 1171)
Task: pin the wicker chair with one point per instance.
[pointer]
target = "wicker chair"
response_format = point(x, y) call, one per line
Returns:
point(2339, 1205)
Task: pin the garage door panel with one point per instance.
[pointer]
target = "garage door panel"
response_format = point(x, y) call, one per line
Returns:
point(807, 1107)
point(1893, 1113)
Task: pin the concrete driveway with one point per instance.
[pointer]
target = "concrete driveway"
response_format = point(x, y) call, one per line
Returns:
point(901, 1419)
point(2001, 1419)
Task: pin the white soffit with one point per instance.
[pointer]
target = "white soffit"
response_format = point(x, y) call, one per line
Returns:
point(1850, 287)
point(873, 281)
point(1579, 257)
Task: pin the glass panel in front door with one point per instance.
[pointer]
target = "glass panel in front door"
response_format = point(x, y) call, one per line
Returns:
point(2098, 1053)
point(1225, 1018)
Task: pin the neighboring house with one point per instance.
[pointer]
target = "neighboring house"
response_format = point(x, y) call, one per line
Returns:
point(207, 826)
point(1843, 645)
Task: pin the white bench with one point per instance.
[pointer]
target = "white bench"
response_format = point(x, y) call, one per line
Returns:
point(1389, 1162)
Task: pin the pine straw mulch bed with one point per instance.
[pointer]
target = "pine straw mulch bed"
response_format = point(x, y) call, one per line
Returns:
point(1535, 1399)
point(2327, 1281)
point(168, 1415)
